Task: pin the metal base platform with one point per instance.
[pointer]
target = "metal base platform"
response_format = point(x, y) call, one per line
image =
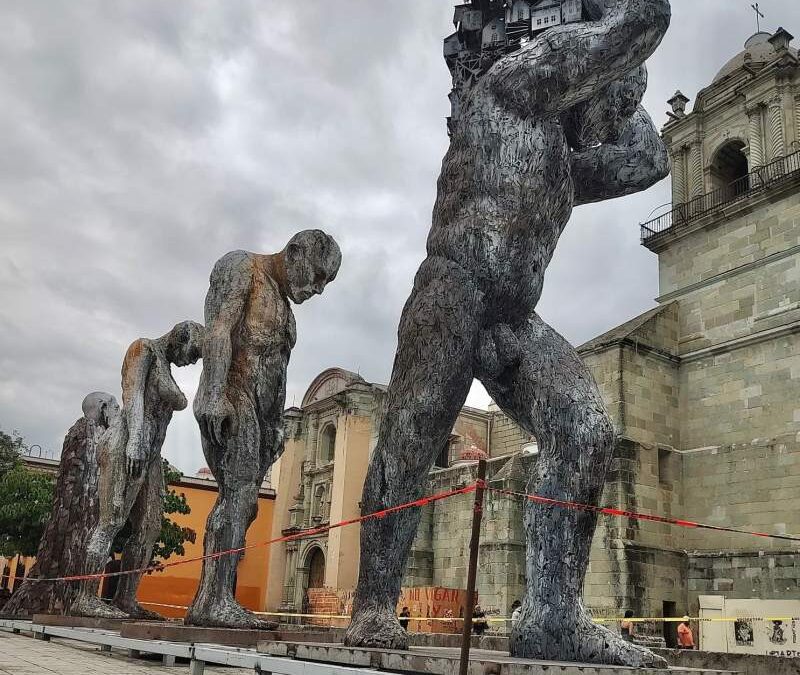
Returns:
point(445, 661)
point(198, 655)
point(79, 621)
point(301, 658)
point(232, 637)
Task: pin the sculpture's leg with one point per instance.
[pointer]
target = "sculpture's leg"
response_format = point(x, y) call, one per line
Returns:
point(431, 378)
point(552, 394)
point(238, 473)
point(145, 520)
point(87, 602)
point(117, 492)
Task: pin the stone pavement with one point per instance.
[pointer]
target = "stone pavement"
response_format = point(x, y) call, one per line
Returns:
point(20, 655)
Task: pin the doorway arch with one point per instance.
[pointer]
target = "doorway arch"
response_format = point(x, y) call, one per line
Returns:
point(729, 168)
point(315, 563)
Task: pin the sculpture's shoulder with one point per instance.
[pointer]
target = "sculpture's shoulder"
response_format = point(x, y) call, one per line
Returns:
point(140, 349)
point(75, 440)
point(76, 457)
point(232, 263)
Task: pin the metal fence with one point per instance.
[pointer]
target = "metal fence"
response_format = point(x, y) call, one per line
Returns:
point(760, 180)
point(37, 452)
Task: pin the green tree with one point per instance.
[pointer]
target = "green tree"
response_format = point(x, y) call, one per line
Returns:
point(10, 448)
point(26, 498)
point(173, 536)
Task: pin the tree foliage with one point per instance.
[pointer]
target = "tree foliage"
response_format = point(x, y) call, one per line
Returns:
point(26, 498)
point(10, 448)
point(173, 536)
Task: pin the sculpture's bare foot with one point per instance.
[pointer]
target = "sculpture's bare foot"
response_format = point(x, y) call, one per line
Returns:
point(226, 614)
point(577, 639)
point(91, 605)
point(375, 628)
point(136, 611)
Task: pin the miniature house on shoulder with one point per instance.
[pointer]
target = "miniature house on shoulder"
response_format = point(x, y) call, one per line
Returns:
point(488, 29)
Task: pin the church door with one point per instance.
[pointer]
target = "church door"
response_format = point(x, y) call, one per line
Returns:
point(316, 569)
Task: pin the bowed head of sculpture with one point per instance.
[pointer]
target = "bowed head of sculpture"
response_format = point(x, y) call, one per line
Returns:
point(183, 344)
point(100, 408)
point(312, 260)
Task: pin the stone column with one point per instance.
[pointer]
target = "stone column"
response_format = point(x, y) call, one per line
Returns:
point(797, 121)
point(755, 138)
point(679, 195)
point(696, 182)
point(290, 574)
point(777, 135)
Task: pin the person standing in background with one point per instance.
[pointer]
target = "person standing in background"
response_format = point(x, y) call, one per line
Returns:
point(627, 628)
point(685, 635)
point(405, 618)
point(516, 610)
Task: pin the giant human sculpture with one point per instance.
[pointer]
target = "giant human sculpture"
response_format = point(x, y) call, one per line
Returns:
point(131, 481)
point(250, 333)
point(73, 516)
point(552, 125)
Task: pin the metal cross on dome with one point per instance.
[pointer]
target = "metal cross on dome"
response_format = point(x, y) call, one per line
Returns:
point(759, 16)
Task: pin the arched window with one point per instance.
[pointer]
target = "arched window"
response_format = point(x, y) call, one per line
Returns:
point(729, 170)
point(327, 444)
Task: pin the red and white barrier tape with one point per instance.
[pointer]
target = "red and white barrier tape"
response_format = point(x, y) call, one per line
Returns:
point(620, 513)
point(425, 501)
point(291, 537)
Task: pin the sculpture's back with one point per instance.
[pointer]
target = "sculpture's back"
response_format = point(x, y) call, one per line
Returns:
point(66, 534)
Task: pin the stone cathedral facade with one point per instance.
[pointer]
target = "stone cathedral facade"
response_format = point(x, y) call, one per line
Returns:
point(704, 390)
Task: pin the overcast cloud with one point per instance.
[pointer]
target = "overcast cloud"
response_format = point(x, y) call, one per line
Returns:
point(140, 140)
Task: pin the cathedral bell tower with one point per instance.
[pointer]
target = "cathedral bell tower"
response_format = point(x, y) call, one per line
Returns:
point(742, 135)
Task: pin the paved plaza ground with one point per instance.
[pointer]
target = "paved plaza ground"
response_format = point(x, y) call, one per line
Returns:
point(21, 655)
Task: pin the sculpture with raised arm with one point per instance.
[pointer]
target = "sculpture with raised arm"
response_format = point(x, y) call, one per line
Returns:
point(131, 481)
point(73, 516)
point(554, 124)
point(250, 333)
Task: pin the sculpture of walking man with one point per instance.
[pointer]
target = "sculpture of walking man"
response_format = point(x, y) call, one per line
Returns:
point(73, 516)
point(250, 333)
point(550, 126)
point(131, 481)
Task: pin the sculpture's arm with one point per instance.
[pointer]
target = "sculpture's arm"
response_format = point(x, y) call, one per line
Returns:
point(229, 289)
point(168, 389)
point(637, 160)
point(135, 371)
point(568, 64)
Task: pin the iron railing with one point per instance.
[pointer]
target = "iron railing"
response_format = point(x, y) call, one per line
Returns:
point(759, 180)
point(36, 452)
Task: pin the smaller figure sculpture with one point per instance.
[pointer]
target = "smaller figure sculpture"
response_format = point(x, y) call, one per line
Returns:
point(73, 516)
point(250, 333)
point(131, 481)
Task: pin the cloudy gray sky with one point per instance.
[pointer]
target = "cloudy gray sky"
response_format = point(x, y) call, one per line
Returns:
point(140, 140)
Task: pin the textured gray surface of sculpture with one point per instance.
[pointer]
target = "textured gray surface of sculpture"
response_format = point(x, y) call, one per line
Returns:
point(130, 484)
point(72, 518)
point(555, 124)
point(250, 333)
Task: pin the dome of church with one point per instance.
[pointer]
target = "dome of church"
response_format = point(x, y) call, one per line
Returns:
point(758, 51)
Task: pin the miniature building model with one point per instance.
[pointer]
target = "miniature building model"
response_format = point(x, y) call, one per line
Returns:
point(488, 29)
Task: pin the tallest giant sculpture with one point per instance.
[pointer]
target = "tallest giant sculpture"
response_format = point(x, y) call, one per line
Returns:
point(544, 119)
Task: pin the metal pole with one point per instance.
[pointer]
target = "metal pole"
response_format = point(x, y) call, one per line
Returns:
point(472, 572)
